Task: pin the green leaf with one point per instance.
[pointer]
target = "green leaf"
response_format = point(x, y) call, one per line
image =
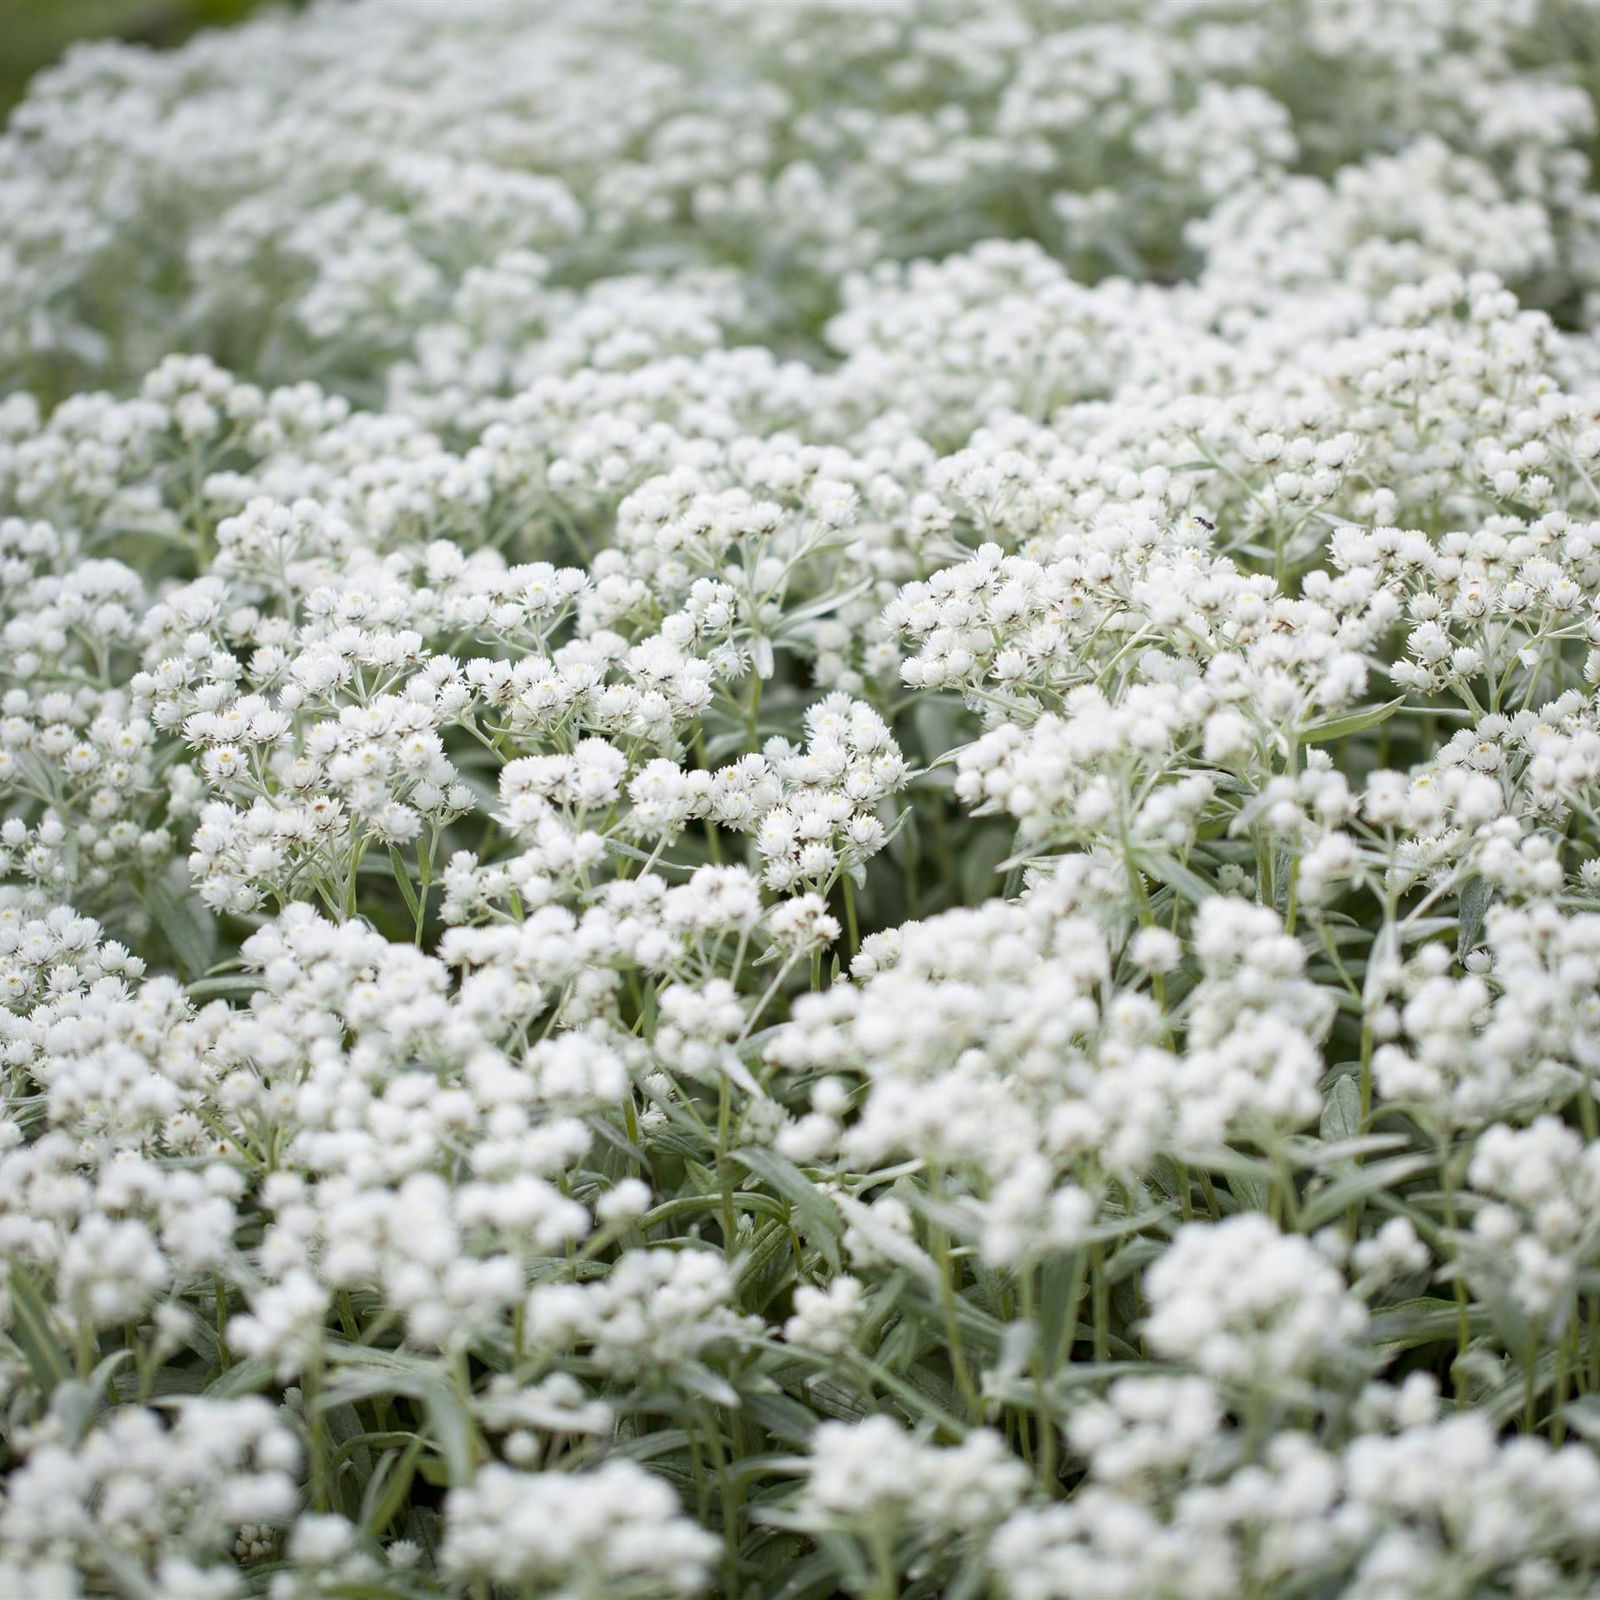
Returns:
point(981, 861)
point(1344, 1192)
point(1232, 1163)
point(32, 1331)
point(817, 1576)
point(709, 1385)
point(388, 1487)
point(76, 1404)
point(402, 876)
point(451, 1427)
point(1061, 1287)
point(250, 1376)
point(783, 1417)
point(765, 1266)
point(233, 986)
point(1353, 723)
point(1425, 1320)
point(164, 1384)
point(823, 1226)
point(654, 1446)
point(970, 1580)
point(362, 1374)
point(185, 923)
point(941, 724)
point(1177, 877)
point(126, 1573)
point(1133, 1257)
point(1583, 1416)
point(1476, 894)
point(834, 1399)
point(1084, 1374)
point(1380, 965)
point(1254, 1194)
point(1341, 1111)
point(1320, 1157)
point(1502, 1406)
point(936, 1387)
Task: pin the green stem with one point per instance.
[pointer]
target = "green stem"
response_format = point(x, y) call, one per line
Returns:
point(939, 1239)
point(1447, 1184)
point(1045, 1467)
point(1100, 1295)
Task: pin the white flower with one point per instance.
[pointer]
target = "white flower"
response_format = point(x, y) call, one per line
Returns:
point(1245, 1304)
point(616, 1531)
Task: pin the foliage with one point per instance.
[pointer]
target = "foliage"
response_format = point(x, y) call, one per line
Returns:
point(37, 31)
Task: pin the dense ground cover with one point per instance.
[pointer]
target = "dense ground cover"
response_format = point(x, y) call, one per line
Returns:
point(804, 798)
point(38, 31)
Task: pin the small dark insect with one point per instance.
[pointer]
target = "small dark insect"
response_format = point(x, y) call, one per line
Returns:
point(1207, 524)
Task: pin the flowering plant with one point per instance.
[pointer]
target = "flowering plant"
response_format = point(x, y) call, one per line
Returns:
point(804, 799)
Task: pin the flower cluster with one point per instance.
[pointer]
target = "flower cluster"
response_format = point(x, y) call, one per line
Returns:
point(829, 829)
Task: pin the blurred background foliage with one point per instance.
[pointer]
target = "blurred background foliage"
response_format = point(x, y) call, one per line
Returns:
point(33, 33)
